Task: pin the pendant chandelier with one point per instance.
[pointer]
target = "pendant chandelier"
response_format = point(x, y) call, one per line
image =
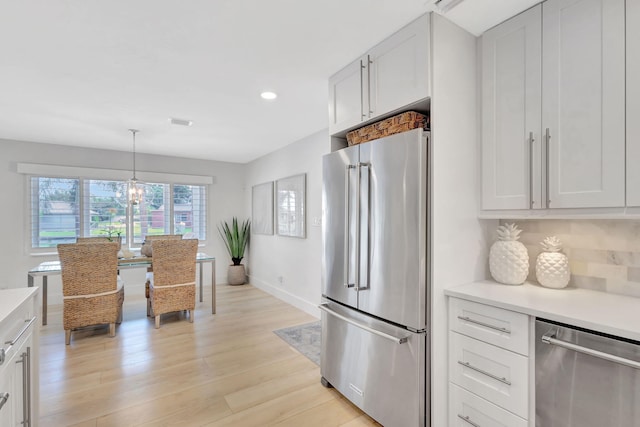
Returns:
point(135, 188)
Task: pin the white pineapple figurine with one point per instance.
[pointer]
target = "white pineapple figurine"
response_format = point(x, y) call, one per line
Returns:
point(552, 266)
point(508, 258)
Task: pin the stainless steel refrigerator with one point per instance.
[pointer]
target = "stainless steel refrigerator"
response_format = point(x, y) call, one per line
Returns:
point(376, 298)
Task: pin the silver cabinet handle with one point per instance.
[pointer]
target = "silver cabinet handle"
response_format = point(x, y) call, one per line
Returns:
point(466, 418)
point(25, 389)
point(347, 193)
point(483, 372)
point(3, 399)
point(486, 325)
point(369, 62)
point(547, 137)
point(550, 338)
point(531, 141)
point(4, 351)
point(28, 419)
point(362, 114)
point(397, 340)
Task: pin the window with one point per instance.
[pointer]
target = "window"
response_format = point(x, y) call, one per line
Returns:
point(150, 217)
point(105, 208)
point(189, 207)
point(64, 208)
point(55, 213)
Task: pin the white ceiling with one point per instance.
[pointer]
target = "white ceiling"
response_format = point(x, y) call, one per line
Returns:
point(81, 72)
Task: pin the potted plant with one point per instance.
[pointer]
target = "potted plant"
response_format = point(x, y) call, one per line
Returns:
point(235, 238)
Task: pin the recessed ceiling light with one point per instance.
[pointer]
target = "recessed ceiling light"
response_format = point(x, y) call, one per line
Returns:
point(269, 95)
point(180, 122)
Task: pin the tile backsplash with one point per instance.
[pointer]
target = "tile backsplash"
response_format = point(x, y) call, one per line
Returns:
point(604, 255)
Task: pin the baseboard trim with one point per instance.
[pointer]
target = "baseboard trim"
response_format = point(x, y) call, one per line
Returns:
point(294, 300)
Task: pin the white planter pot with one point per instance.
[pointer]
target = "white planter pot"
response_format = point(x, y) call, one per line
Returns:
point(236, 275)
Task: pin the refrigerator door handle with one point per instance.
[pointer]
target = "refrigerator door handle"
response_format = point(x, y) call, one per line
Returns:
point(347, 211)
point(364, 193)
point(358, 196)
point(397, 340)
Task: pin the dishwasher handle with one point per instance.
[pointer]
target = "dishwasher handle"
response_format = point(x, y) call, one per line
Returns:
point(550, 338)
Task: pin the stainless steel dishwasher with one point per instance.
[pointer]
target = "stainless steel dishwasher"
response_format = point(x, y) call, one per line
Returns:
point(585, 379)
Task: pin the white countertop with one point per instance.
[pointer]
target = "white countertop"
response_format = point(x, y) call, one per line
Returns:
point(609, 313)
point(12, 298)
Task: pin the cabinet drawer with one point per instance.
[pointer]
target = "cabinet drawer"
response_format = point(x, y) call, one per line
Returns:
point(16, 323)
point(504, 328)
point(467, 410)
point(498, 375)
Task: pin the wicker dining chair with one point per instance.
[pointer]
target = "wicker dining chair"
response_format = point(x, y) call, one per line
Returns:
point(172, 284)
point(92, 291)
point(152, 237)
point(148, 240)
point(96, 239)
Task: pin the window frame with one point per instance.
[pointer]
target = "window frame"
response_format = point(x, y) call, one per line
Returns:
point(33, 199)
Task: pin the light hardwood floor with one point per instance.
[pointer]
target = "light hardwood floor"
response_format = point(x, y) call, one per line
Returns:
point(227, 369)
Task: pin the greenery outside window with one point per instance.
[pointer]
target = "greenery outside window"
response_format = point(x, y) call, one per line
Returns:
point(63, 209)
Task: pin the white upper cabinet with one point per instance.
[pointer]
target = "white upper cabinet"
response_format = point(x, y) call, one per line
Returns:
point(583, 102)
point(398, 69)
point(392, 75)
point(553, 106)
point(346, 93)
point(511, 100)
point(633, 102)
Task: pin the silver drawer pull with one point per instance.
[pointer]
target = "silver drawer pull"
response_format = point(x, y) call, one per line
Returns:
point(462, 417)
point(483, 372)
point(4, 351)
point(3, 399)
point(477, 322)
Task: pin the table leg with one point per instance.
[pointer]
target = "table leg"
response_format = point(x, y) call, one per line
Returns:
point(44, 300)
point(200, 264)
point(213, 287)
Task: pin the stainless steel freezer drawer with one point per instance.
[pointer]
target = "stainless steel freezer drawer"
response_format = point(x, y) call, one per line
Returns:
point(379, 367)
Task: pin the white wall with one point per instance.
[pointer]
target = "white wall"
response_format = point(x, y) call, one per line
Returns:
point(297, 261)
point(460, 239)
point(226, 199)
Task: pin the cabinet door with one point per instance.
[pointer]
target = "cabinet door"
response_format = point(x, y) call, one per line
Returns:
point(511, 100)
point(398, 69)
point(6, 387)
point(346, 97)
point(633, 102)
point(23, 382)
point(583, 90)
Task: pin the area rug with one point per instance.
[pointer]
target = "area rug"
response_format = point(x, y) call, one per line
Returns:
point(304, 338)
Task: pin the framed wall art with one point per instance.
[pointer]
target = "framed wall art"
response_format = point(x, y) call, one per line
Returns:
point(290, 206)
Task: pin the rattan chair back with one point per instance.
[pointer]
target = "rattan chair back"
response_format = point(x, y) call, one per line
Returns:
point(151, 237)
point(88, 268)
point(174, 261)
point(96, 239)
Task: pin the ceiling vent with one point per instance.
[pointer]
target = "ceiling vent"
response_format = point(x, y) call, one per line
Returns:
point(180, 122)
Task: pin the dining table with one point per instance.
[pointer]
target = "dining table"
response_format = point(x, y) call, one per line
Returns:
point(52, 268)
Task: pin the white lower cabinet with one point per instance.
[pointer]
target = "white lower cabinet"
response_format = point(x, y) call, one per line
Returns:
point(489, 366)
point(19, 358)
point(468, 410)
